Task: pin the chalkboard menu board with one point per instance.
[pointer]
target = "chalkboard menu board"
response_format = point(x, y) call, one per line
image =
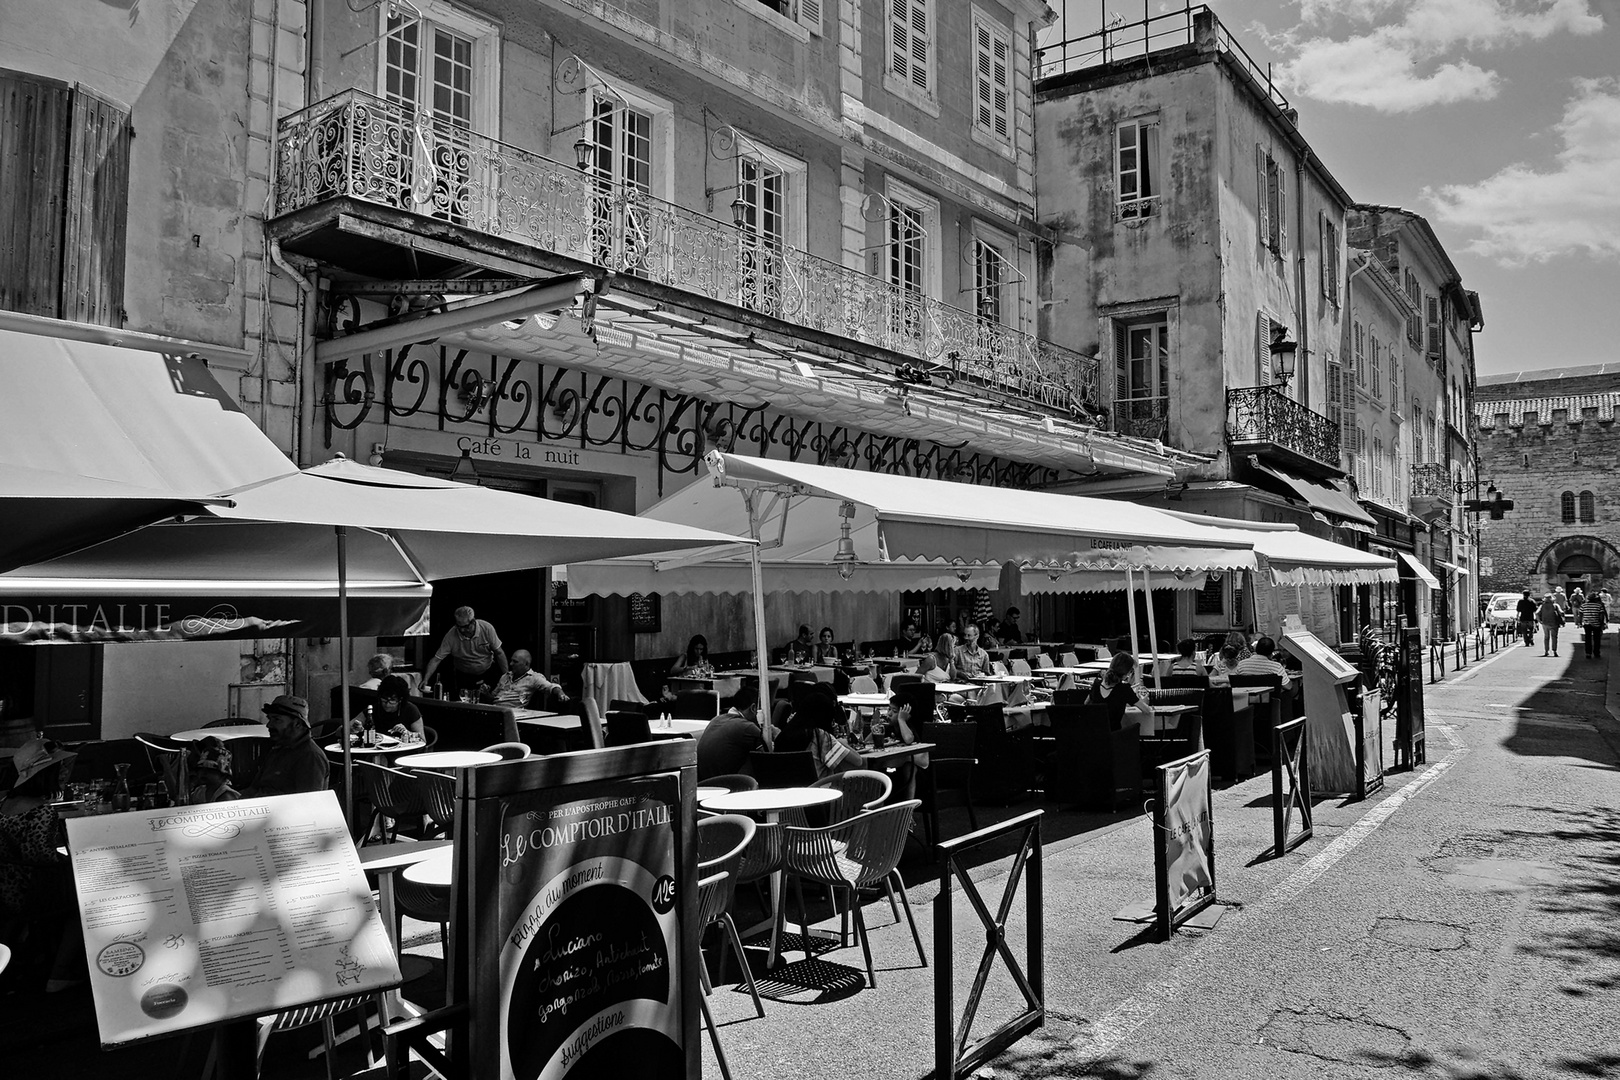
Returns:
point(590, 936)
point(646, 613)
point(1212, 597)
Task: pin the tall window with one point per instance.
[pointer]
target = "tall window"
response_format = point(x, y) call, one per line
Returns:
point(989, 280)
point(621, 171)
point(1588, 507)
point(1414, 315)
point(1137, 171)
point(909, 264)
point(1273, 200)
point(763, 190)
point(1142, 376)
point(430, 68)
point(911, 38)
point(1358, 347)
point(1377, 364)
point(1378, 466)
point(1330, 260)
point(992, 80)
point(1566, 505)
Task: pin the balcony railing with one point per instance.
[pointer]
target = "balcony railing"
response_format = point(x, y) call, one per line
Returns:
point(1262, 418)
point(361, 147)
point(1143, 418)
point(1432, 480)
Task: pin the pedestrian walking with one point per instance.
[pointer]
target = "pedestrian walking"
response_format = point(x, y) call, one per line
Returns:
point(1594, 619)
point(1526, 610)
point(1551, 619)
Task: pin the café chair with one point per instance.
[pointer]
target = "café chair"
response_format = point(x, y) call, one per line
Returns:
point(1020, 667)
point(863, 684)
point(1042, 660)
point(439, 796)
point(322, 1014)
point(1006, 762)
point(690, 705)
point(167, 759)
point(430, 739)
point(1229, 735)
point(509, 751)
point(628, 728)
point(862, 790)
point(722, 843)
point(621, 705)
point(1093, 763)
point(948, 780)
point(1068, 659)
point(852, 855)
point(731, 782)
point(395, 796)
point(997, 668)
point(1184, 682)
point(901, 678)
point(425, 903)
point(794, 768)
point(713, 882)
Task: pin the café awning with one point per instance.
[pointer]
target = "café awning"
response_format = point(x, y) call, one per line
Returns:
point(1292, 557)
point(1419, 571)
point(1460, 571)
point(1331, 497)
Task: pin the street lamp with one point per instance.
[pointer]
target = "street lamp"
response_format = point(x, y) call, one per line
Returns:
point(1285, 353)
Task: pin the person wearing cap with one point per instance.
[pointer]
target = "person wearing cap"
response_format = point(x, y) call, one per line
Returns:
point(393, 715)
point(36, 888)
point(210, 767)
point(293, 763)
point(473, 648)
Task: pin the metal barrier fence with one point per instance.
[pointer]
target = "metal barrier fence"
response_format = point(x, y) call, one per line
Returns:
point(954, 1056)
point(1290, 761)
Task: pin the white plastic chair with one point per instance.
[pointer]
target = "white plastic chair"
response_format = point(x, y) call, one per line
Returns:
point(863, 684)
point(1021, 667)
point(1042, 660)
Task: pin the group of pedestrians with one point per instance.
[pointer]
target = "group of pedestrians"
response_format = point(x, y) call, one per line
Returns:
point(1590, 612)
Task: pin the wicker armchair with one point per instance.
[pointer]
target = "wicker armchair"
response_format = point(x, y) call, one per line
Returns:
point(395, 796)
point(735, 781)
point(852, 855)
point(509, 751)
point(722, 845)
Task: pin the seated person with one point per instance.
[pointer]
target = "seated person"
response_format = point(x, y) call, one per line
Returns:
point(378, 666)
point(801, 649)
point(210, 767)
point(914, 642)
point(36, 885)
point(969, 658)
point(811, 728)
point(1116, 691)
point(1262, 662)
point(937, 665)
point(729, 738)
point(392, 715)
point(987, 637)
point(695, 660)
point(522, 686)
point(293, 763)
point(1187, 663)
point(826, 651)
point(1236, 640)
point(1009, 631)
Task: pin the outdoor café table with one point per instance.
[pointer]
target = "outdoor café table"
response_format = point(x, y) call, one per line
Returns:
point(676, 728)
point(896, 663)
point(863, 700)
point(1160, 712)
point(385, 860)
point(386, 747)
point(224, 734)
point(894, 753)
point(705, 792)
point(771, 802)
point(822, 672)
point(448, 759)
point(1008, 680)
point(956, 688)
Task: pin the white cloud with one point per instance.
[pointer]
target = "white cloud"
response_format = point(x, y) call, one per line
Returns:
point(1402, 55)
point(1525, 215)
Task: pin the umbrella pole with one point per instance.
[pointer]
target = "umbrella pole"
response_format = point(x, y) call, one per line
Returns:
point(1153, 630)
point(1130, 609)
point(343, 668)
point(762, 667)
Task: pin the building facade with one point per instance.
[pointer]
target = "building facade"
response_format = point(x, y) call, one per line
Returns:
point(1547, 441)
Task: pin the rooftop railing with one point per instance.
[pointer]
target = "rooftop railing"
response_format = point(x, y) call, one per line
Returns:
point(1260, 418)
point(357, 146)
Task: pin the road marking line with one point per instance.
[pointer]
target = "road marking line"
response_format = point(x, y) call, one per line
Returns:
point(1106, 1034)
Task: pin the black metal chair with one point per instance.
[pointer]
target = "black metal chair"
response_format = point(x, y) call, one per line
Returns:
point(1093, 763)
point(1229, 735)
point(690, 705)
point(1006, 763)
point(628, 728)
point(731, 782)
point(948, 780)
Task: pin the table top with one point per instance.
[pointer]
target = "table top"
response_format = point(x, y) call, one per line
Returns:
point(534, 714)
point(1173, 710)
point(956, 688)
point(908, 663)
point(448, 759)
point(1002, 678)
point(677, 727)
point(553, 721)
point(704, 791)
point(433, 870)
point(770, 799)
point(896, 751)
point(393, 746)
point(234, 731)
point(863, 699)
point(379, 857)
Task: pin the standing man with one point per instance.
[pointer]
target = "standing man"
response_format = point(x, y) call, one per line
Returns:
point(1527, 618)
point(476, 659)
point(1010, 632)
point(1594, 619)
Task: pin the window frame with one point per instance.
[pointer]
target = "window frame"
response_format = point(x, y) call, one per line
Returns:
point(1161, 363)
point(1139, 205)
point(485, 36)
point(902, 194)
point(1566, 508)
point(1587, 503)
point(904, 85)
point(985, 26)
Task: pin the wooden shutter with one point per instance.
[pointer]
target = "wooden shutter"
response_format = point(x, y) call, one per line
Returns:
point(1335, 396)
point(909, 40)
point(1348, 421)
point(1433, 305)
point(35, 122)
point(1262, 350)
point(1282, 205)
point(1122, 363)
point(991, 79)
point(1322, 246)
point(97, 211)
point(1263, 201)
point(810, 15)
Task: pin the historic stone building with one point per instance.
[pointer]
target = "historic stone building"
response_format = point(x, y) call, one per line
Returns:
point(1549, 443)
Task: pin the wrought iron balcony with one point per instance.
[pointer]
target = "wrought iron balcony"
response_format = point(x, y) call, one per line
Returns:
point(357, 146)
point(1431, 480)
point(1143, 418)
point(1264, 420)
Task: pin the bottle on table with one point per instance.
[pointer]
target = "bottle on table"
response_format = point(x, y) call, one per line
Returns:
point(368, 731)
point(121, 797)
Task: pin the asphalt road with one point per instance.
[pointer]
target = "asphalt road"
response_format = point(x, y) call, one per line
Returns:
point(1468, 925)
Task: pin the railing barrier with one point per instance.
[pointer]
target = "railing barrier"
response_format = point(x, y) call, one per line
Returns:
point(1290, 760)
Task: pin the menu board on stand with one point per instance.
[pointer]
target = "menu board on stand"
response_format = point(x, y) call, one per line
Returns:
point(195, 915)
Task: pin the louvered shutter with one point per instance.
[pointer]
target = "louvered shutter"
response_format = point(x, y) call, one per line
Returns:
point(1262, 350)
point(992, 88)
point(1122, 363)
point(920, 42)
point(97, 211)
point(900, 37)
point(1335, 395)
point(1322, 246)
point(1433, 304)
point(810, 15)
point(1348, 420)
point(34, 145)
point(1263, 201)
point(1282, 205)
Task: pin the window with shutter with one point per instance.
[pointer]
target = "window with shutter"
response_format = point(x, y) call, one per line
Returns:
point(1357, 350)
point(809, 15)
point(1347, 394)
point(1378, 467)
point(911, 42)
point(1262, 207)
point(1262, 350)
point(64, 175)
point(1142, 376)
point(992, 80)
point(1433, 305)
point(1329, 240)
point(1335, 395)
point(1414, 317)
point(1377, 365)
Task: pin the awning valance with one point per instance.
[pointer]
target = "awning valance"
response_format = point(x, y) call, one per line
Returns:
point(1419, 571)
point(1331, 497)
point(1297, 558)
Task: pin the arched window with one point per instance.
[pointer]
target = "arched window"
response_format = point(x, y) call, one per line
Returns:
point(1567, 504)
point(1588, 507)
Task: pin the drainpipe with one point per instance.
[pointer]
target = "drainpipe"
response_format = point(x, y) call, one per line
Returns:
point(1299, 279)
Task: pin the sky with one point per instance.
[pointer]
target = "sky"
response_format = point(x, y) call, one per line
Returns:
point(1498, 120)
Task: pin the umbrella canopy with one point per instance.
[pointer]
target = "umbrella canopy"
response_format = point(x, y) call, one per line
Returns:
point(266, 564)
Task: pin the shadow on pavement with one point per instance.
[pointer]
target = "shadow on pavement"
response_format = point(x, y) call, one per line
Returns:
point(1589, 888)
point(1038, 1058)
point(1543, 725)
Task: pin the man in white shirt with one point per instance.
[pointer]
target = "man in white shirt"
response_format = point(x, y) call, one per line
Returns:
point(1262, 663)
point(521, 682)
point(969, 659)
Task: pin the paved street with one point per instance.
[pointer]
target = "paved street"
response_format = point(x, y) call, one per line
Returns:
point(1461, 923)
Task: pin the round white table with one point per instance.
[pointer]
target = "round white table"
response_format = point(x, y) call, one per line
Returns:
point(448, 759)
point(772, 802)
point(223, 734)
point(868, 700)
point(706, 792)
point(392, 746)
point(433, 870)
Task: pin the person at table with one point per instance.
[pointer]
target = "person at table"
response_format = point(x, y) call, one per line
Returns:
point(954, 629)
point(695, 660)
point(523, 687)
point(1187, 662)
point(913, 641)
point(936, 666)
point(826, 651)
point(1236, 640)
point(1224, 667)
point(1116, 690)
point(1263, 662)
point(210, 769)
point(811, 728)
point(36, 885)
point(988, 638)
point(969, 658)
point(800, 649)
point(377, 667)
point(393, 714)
point(1009, 631)
point(729, 738)
point(473, 648)
point(293, 763)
